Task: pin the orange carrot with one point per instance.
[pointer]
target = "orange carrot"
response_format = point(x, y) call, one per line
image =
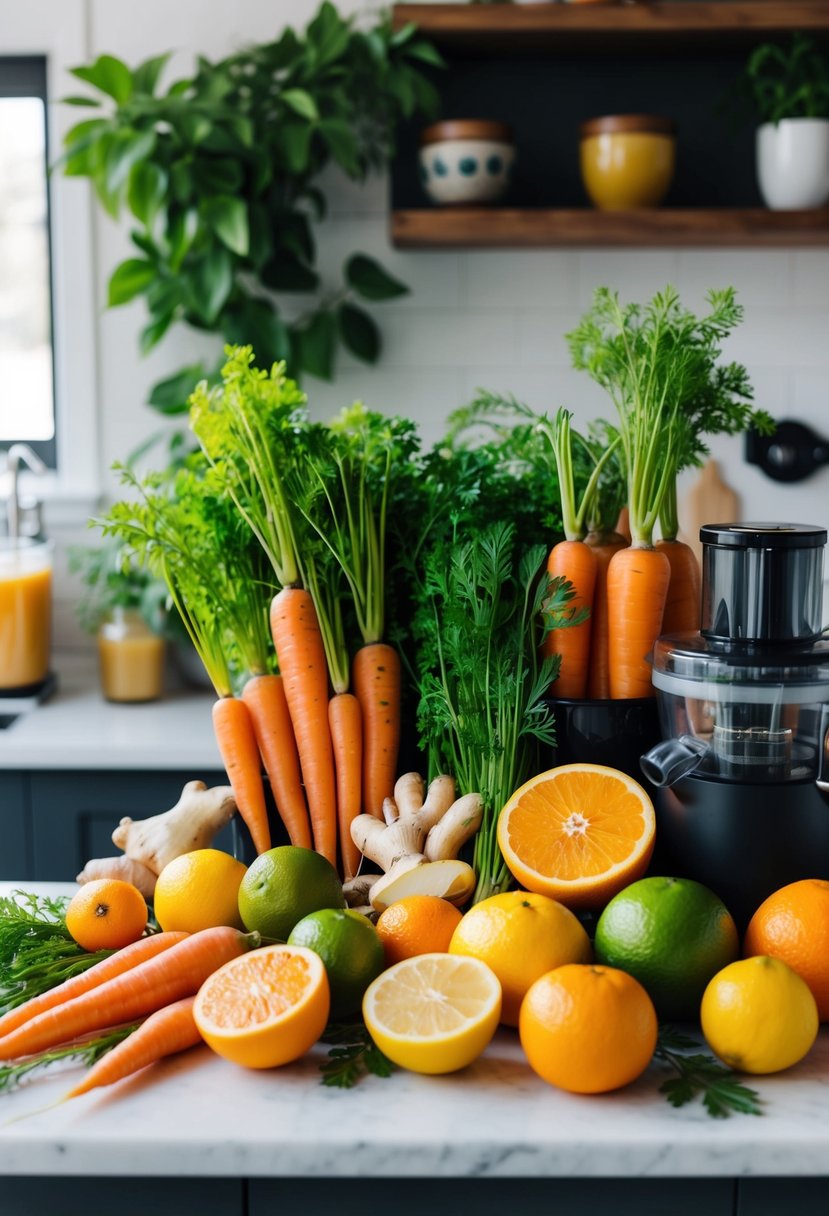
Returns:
point(575, 561)
point(346, 721)
point(376, 678)
point(118, 963)
point(682, 607)
point(604, 545)
point(301, 655)
point(623, 524)
point(165, 1032)
point(265, 698)
point(178, 972)
point(637, 586)
point(236, 738)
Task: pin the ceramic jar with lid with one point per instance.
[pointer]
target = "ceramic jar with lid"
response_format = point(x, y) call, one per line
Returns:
point(131, 658)
point(627, 160)
point(466, 161)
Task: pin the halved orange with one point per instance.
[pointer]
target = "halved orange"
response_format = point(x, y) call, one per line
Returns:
point(578, 833)
point(264, 1008)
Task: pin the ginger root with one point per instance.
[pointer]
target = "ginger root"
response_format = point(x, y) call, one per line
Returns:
point(192, 823)
point(418, 844)
point(122, 867)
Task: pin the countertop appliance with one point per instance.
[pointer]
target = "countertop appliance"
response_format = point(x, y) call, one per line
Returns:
point(743, 768)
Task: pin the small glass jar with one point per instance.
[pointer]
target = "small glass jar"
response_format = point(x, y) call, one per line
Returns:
point(25, 612)
point(131, 658)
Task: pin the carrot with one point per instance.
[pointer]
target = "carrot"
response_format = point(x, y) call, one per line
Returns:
point(346, 721)
point(236, 738)
point(637, 587)
point(165, 1032)
point(623, 525)
point(118, 963)
point(604, 545)
point(265, 699)
point(301, 655)
point(178, 972)
point(376, 678)
point(682, 607)
point(576, 562)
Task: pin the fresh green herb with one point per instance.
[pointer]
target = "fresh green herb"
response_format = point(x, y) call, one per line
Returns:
point(699, 1073)
point(87, 1051)
point(112, 579)
point(353, 1056)
point(37, 951)
point(788, 81)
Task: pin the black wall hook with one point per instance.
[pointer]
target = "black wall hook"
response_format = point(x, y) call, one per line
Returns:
point(793, 453)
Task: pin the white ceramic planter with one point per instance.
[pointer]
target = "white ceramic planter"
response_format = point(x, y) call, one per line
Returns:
point(793, 163)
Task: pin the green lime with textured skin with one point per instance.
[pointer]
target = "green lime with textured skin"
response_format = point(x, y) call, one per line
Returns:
point(351, 950)
point(671, 934)
point(283, 885)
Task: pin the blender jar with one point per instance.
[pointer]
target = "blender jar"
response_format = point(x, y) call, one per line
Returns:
point(25, 612)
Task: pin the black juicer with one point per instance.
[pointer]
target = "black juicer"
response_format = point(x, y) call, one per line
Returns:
point(743, 769)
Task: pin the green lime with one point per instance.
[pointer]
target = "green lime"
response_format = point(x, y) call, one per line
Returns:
point(671, 934)
point(285, 884)
point(351, 950)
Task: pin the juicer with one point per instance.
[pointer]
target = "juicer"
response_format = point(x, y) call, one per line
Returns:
point(742, 772)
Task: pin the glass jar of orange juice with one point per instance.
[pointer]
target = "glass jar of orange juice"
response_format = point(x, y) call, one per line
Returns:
point(131, 657)
point(25, 612)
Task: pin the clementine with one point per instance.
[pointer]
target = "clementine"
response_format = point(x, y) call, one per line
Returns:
point(418, 924)
point(106, 915)
point(793, 925)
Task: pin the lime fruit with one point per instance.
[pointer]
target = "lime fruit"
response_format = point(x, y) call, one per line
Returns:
point(351, 950)
point(199, 890)
point(285, 884)
point(671, 934)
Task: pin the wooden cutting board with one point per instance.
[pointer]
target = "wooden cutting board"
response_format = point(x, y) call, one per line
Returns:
point(709, 501)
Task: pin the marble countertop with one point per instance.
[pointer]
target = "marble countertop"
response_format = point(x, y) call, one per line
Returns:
point(77, 729)
point(199, 1115)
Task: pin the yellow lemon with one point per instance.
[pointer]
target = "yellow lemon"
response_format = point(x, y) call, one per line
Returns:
point(758, 1015)
point(433, 1013)
point(520, 936)
point(199, 890)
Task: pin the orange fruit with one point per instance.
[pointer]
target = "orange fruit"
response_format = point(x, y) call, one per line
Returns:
point(520, 936)
point(418, 924)
point(588, 1029)
point(578, 833)
point(265, 1008)
point(793, 925)
point(106, 915)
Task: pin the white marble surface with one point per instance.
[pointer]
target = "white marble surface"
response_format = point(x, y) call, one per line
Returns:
point(78, 729)
point(201, 1116)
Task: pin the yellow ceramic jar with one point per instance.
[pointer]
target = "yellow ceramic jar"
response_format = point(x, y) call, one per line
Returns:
point(627, 160)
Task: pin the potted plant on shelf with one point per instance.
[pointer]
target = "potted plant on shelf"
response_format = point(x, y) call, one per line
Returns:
point(123, 606)
point(789, 89)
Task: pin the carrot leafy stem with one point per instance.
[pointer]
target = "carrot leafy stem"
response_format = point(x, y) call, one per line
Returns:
point(87, 1052)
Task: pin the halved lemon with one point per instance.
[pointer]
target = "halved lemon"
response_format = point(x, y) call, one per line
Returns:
point(433, 1013)
point(265, 1008)
point(578, 833)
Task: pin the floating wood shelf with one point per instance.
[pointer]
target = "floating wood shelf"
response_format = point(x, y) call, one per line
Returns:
point(478, 227)
point(509, 28)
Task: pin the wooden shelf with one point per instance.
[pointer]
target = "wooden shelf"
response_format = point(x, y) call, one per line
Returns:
point(508, 28)
point(478, 227)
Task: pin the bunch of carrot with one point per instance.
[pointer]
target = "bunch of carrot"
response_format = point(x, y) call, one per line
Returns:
point(154, 980)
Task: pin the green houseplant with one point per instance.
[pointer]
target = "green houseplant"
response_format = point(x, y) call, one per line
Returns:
point(220, 175)
point(789, 89)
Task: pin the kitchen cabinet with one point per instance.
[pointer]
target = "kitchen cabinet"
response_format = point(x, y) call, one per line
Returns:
point(15, 853)
point(127, 1197)
point(545, 68)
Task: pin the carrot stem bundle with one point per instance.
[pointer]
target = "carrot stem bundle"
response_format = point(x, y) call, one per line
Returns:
point(268, 707)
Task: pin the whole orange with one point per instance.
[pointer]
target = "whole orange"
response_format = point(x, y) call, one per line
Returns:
point(793, 925)
point(106, 915)
point(520, 936)
point(418, 924)
point(588, 1029)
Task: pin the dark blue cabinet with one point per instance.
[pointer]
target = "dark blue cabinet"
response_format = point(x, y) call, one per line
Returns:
point(15, 837)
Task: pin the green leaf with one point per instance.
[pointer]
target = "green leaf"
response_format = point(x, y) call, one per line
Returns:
point(286, 272)
point(84, 133)
point(368, 278)
point(108, 74)
point(301, 103)
point(76, 100)
point(341, 141)
point(128, 147)
point(129, 280)
point(256, 323)
point(211, 280)
point(228, 217)
point(295, 144)
point(217, 175)
point(147, 187)
point(147, 74)
point(170, 396)
point(182, 227)
point(328, 35)
point(152, 334)
point(403, 35)
point(315, 345)
point(426, 53)
point(359, 332)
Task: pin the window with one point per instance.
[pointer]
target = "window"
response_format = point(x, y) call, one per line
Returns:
point(27, 382)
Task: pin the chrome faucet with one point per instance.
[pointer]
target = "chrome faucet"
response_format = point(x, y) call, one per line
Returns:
point(17, 454)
